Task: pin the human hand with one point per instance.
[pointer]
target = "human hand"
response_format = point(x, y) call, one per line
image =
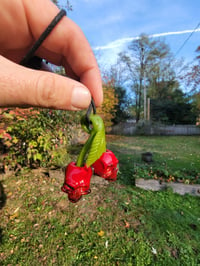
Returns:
point(21, 24)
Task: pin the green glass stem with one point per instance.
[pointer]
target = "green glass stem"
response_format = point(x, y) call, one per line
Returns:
point(96, 143)
point(85, 149)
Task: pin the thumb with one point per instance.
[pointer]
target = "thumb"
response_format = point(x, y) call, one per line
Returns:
point(23, 86)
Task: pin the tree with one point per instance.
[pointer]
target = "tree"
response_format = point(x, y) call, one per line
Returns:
point(192, 78)
point(122, 108)
point(193, 75)
point(108, 108)
point(175, 108)
point(143, 64)
point(115, 76)
point(68, 6)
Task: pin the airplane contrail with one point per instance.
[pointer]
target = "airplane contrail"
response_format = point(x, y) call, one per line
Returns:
point(122, 41)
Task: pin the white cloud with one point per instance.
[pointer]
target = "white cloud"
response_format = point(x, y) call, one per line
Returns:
point(115, 44)
point(123, 41)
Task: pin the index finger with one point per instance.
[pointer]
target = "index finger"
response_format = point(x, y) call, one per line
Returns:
point(66, 45)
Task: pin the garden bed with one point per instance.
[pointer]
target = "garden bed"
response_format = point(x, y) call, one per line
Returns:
point(156, 185)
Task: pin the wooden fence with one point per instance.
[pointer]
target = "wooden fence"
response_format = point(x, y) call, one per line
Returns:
point(129, 129)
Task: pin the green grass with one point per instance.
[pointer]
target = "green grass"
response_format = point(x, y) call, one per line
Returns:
point(117, 224)
point(175, 156)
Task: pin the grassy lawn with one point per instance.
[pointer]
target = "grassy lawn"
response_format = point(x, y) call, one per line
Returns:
point(117, 224)
point(179, 156)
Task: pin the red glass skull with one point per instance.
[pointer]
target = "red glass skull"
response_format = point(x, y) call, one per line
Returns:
point(77, 181)
point(106, 166)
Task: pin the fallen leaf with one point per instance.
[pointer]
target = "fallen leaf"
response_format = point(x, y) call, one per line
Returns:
point(154, 251)
point(15, 215)
point(16, 210)
point(9, 194)
point(101, 233)
point(127, 225)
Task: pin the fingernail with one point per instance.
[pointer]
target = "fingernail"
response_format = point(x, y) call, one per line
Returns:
point(81, 97)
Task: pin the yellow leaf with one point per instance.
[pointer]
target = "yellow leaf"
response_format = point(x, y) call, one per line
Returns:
point(101, 233)
point(15, 140)
point(10, 194)
point(15, 215)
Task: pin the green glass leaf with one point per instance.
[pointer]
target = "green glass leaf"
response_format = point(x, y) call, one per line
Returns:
point(98, 147)
point(96, 143)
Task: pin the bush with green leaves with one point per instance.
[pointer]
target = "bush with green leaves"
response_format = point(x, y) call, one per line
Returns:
point(33, 137)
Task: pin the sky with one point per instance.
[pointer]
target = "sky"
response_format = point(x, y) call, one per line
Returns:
point(110, 25)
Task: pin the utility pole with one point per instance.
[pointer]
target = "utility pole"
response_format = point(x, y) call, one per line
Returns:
point(145, 97)
point(148, 109)
point(143, 68)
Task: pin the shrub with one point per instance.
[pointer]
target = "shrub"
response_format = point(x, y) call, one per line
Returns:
point(35, 138)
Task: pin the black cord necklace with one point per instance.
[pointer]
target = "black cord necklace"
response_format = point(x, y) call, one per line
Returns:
point(26, 61)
